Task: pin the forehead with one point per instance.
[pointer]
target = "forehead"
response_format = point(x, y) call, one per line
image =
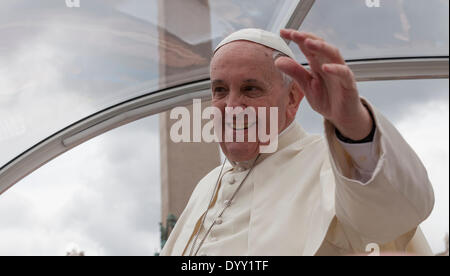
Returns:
point(242, 56)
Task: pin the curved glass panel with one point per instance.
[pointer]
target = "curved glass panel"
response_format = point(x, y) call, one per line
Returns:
point(102, 198)
point(61, 61)
point(397, 28)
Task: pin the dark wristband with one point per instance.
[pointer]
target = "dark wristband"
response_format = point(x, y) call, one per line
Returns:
point(367, 139)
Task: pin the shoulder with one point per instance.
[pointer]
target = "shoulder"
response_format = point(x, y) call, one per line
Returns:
point(311, 142)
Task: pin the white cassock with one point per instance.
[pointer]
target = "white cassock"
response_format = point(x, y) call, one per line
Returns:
point(308, 198)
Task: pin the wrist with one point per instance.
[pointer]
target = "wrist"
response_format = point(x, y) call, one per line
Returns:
point(358, 128)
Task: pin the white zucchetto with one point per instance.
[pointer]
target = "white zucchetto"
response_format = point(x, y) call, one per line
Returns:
point(259, 36)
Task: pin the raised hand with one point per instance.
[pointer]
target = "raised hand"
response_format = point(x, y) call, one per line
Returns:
point(329, 86)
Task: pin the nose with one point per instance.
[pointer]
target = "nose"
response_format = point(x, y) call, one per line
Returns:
point(235, 99)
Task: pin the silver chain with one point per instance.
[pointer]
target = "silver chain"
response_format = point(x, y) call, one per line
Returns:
point(228, 203)
point(204, 216)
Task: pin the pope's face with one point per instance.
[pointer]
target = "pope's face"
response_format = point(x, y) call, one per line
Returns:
point(243, 75)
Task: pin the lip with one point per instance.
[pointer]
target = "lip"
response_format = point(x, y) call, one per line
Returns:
point(246, 126)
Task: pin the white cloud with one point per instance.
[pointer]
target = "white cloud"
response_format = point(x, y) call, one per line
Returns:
point(95, 198)
point(34, 94)
point(425, 128)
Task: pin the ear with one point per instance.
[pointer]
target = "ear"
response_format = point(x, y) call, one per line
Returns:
point(295, 97)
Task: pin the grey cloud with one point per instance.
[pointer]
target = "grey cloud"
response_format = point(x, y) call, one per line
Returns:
point(59, 65)
point(113, 201)
point(394, 99)
point(130, 195)
point(397, 28)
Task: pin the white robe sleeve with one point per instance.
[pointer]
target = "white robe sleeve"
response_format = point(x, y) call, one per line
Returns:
point(395, 199)
point(364, 157)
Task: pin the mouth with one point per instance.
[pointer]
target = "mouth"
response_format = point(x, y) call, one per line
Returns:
point(244, 126)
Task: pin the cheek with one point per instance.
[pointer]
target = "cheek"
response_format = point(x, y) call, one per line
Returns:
point(281, 111)
point(283, 103)
point(219, 114)
point(280, 104)
point(219, 104)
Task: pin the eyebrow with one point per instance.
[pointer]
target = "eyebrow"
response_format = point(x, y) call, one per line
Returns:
point(260, 83)
point(217, 82)
point(254, 81)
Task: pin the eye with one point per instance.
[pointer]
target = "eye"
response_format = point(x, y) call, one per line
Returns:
point(219, 91)
point(250, 88)
point(252, 91)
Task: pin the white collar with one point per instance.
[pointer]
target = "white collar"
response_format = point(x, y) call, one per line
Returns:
point(287, 128)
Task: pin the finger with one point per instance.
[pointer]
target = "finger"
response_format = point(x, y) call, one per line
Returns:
point(311, 86)
point(316, 96)
point(343, 73)
point(324, 50)
point(291, 34)
point(295, 70)
point(299, 38)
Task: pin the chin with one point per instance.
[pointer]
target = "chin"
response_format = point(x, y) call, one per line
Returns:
point(238, 152)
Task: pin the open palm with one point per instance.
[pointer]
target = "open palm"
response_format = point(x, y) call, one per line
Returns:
point(329, 86)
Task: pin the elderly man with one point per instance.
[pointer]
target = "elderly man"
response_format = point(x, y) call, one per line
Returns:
point(361, 187)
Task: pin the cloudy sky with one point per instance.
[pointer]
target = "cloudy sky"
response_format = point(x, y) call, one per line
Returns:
point(103, 197)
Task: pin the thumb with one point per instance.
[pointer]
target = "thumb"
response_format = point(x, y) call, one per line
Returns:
point(295, 70)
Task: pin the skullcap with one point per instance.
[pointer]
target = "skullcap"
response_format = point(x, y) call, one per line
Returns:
point(259, 36)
